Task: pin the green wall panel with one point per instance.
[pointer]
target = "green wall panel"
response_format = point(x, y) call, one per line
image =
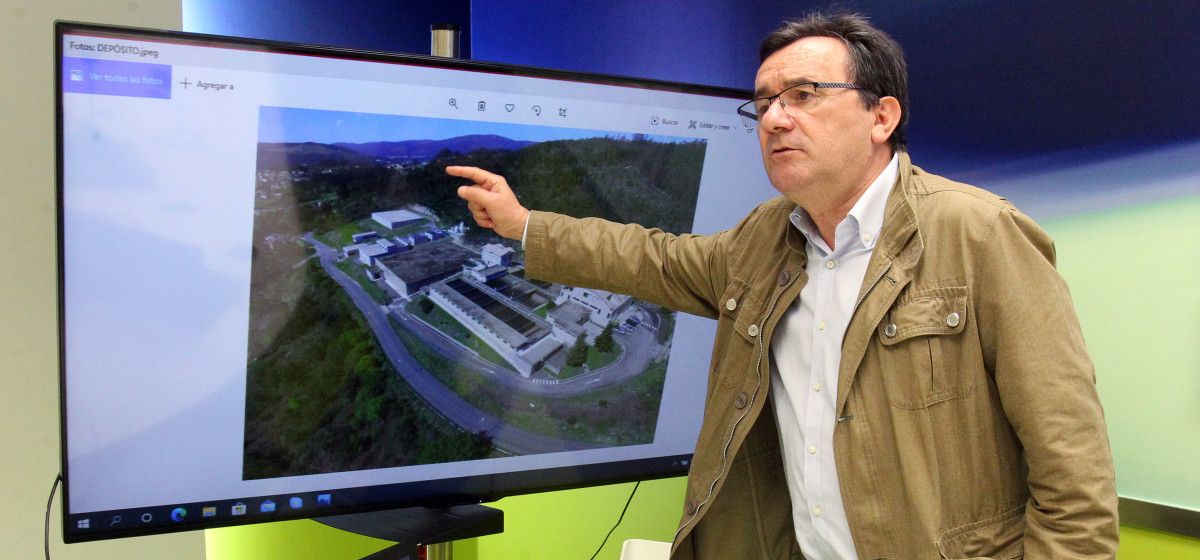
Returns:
point(571, 524)
point(1134, 274)
point(1145, 544)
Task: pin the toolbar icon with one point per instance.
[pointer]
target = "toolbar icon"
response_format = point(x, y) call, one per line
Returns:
point(238, 509)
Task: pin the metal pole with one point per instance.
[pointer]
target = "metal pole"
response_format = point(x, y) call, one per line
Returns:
point(444, 39)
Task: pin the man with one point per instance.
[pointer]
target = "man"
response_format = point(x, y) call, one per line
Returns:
point(930, 393)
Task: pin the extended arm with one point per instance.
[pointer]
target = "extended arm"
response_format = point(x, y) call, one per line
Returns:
point(683, 272)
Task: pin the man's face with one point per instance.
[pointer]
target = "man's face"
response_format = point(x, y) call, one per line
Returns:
point(818, 155)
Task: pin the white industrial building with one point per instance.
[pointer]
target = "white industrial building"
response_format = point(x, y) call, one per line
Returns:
point(352, 250)
point(368, 252)
point(495, 254)
point(481, 272)
point(363, 236)
point(522, 339)
point(394, 219)
point(604, 306)
point(569, 320)
point(408, 271)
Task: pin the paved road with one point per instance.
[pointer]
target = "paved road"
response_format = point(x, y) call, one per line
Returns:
point(446, 402)
point(639, 349)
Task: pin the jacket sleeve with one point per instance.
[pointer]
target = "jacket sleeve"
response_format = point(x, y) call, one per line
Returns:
point(682, 272)
point(1034, 347)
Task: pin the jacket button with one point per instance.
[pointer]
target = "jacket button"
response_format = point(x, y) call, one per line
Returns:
point(740, 400)
point(952, 319)
point(691, 507)
point(731, 304)
point(784, 276)
point(752, 330)
point(890, 330)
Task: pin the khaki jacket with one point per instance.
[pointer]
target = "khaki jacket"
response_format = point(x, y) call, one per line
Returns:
point(968, 420)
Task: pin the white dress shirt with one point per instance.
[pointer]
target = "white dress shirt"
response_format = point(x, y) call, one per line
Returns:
point(806, 352)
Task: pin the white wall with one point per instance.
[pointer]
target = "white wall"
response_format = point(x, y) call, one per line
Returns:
point(29, 420)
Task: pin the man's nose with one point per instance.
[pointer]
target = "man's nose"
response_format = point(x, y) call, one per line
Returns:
point(775, 118)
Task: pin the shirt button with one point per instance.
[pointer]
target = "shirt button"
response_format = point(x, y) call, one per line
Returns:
point(821, 326)
point(817, 387)
point(752, 330)
point(812, 450)
point(866, 238)
point(731, 304)
point(890, 330)
point(740, 400)
point(816, 511)
point(952, 319)
point(784, 276)
point(830, 264)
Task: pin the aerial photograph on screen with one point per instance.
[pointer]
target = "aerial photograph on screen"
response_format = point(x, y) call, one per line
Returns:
point(387, 329)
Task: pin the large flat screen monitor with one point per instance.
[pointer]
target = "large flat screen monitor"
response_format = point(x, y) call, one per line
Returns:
point(274, 306)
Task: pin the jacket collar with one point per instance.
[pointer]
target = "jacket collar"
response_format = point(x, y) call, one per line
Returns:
point(898, 250)
point(899, 223)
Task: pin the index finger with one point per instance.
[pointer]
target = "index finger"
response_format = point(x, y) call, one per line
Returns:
point(476, 174)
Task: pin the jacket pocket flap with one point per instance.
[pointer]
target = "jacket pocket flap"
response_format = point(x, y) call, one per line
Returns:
point(999, 537)
point(934, 311)
point(738, 302)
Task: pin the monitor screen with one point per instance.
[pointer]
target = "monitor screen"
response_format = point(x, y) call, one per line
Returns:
point(273, 305)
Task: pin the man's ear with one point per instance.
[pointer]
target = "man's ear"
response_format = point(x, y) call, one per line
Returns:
point(887, 118)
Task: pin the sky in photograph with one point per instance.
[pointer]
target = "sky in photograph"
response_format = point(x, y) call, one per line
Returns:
point(289, 124)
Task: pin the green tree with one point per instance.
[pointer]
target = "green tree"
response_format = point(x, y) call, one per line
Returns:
point(578, 353)
point(604, 342)
point(425, 305)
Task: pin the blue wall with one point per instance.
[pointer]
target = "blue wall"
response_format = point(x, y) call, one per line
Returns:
point(990, 81)
point(361, 24)
point(713, 42)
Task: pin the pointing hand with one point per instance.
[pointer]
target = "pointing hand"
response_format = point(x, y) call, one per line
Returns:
point(491, 201)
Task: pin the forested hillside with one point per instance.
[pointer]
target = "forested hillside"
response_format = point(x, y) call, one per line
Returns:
point(640, 180)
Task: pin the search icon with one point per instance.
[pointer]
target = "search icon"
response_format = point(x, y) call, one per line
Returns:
point(454, 102)
point(116, 519)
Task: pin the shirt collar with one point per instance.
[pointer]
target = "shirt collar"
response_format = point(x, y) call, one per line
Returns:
point(867, 212)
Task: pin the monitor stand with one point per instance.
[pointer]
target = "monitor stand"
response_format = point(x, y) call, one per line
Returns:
point(412, 527)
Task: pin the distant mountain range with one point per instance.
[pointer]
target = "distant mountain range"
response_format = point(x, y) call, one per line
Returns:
point(274, 154)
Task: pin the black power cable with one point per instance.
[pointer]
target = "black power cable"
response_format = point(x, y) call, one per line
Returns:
point(50, 502)
point(614, 527)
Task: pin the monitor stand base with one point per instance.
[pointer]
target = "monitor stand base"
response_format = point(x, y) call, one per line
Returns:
point(412, 527)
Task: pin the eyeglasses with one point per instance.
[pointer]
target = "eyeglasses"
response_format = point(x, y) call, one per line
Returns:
point(793, 99)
